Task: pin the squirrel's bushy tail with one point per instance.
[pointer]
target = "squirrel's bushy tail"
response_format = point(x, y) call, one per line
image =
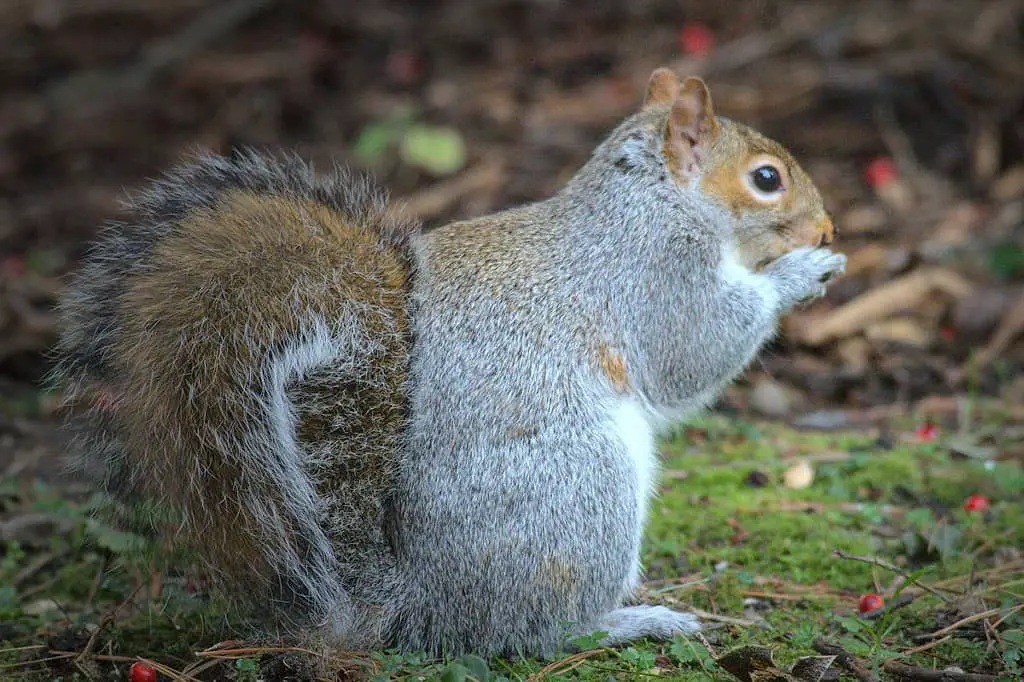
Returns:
point(240, 351)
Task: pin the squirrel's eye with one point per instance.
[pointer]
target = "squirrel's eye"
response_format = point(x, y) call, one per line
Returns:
point(767, 178)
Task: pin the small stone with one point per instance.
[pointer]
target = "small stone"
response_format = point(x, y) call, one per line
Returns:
point(770, 399)
point(823, 420)
point(798, 476)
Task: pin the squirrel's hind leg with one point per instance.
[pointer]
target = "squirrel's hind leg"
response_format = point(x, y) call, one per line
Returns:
point(630, 623)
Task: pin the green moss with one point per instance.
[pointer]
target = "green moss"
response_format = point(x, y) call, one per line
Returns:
point(714, 541)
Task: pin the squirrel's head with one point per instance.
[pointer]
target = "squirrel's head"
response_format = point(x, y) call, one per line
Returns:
point(776, 205)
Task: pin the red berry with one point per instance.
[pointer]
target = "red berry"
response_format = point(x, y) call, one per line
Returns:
point(869, 602)
point(696, 39)
point(976, 503)
point(948, 333)
point(141, 672)
point(927, 431)
point(880, 171)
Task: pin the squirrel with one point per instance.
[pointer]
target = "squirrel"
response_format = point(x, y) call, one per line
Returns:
point(441, 440)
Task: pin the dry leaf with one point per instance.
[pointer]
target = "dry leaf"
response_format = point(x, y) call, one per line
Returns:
point(756, 664)
point(811, 668)
point(747, 660)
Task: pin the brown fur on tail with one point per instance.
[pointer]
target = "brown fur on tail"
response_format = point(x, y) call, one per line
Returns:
point(238, 326)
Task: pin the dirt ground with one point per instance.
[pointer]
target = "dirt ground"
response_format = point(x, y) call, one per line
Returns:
point(909, 115)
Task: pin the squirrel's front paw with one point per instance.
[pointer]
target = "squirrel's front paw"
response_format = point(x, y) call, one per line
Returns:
point(801, 274)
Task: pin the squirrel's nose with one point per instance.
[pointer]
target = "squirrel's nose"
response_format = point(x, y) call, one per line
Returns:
point(826, 230)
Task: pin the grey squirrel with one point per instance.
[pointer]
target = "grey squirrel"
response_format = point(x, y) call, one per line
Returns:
point(442, 440)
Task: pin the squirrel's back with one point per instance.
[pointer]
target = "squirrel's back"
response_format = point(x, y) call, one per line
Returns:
point(255, 318)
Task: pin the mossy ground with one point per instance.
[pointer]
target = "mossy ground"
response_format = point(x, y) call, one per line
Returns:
point(726, 537)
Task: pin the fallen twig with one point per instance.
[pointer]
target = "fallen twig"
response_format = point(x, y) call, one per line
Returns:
point(889, 607)
point(249, 651)
point(57, 656)
point(925, 647)
point(973, 619)
point(176, 675)
point(1006, 615)
point(564, 665)
point(874, 561)
point(90, 645)
point(434, 200)
point(913, 672)
point(903, 293)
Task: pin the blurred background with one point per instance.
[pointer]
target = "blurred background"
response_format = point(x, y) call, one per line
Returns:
point(908, 114)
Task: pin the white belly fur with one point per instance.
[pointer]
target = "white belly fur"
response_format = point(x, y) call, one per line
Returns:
point(631, 426)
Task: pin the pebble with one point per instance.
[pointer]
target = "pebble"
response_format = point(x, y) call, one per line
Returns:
point(770, 399)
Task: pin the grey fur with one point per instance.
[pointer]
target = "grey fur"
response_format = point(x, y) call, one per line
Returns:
point(620, 256)
point(514, 522)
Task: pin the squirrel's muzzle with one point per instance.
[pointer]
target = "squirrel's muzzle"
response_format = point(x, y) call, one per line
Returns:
point(826, 231)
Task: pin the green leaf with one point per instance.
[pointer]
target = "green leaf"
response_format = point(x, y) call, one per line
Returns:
point(684, 650)
point(851, 625)
point(872, 513)
point(922, 517)
point(641, 660)
point(1006, 260)
point(438, 151)
point(944, 538)
point(246, 665)
point(8, 599)
point(116, 541)
point(591, 641)
point(374, 141)
point(477, 667)
point(454, 672)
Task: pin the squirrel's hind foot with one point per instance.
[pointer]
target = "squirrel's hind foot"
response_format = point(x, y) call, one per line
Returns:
point(630, 623)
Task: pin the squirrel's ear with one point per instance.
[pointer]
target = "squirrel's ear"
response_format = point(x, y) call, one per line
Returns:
point(662, 87)
point(691, 127)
